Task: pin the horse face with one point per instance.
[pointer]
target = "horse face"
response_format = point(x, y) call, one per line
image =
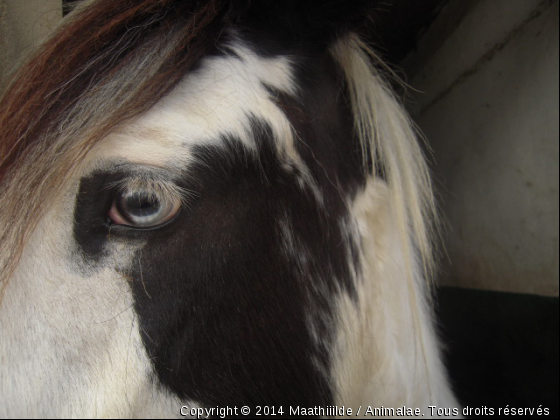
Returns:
point(229, 298)
point(256, 237)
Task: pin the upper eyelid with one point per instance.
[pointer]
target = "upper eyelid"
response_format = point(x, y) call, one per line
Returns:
point(163, 181)
point(138, 170)
point(163, 188)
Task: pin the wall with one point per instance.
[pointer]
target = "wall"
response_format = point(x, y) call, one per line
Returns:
point(23, 25)
point(488, 104)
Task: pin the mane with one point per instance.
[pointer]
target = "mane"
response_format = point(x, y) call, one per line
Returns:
point(114, 60)
point(388, 134)
point(108, 62)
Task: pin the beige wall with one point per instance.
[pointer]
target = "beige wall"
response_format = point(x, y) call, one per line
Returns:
point(489, 108)
point(23, 25)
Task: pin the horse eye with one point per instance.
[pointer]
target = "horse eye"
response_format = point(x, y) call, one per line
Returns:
point(143, 209)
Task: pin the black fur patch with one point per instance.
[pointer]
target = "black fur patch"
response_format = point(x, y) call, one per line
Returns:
point(228, 312)
point(224, 308)
point(229, 325)
point(324, 125)
point(310, 25)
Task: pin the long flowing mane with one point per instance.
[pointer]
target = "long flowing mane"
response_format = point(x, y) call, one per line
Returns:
point(103, 66)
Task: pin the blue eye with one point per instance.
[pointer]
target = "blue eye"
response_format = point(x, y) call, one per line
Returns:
point(143, 209)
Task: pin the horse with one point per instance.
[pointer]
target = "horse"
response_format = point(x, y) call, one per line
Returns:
point(214, 205)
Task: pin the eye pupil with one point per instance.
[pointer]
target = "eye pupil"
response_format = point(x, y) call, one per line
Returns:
point(141, 203)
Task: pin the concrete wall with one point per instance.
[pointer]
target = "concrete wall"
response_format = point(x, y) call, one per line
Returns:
point(489, 108)
point(23, 25)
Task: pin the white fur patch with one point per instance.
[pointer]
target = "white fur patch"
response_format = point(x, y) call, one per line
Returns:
point(215, 100)
point(218, 99)
point(70, 340)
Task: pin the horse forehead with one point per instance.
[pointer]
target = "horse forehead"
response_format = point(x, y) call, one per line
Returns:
point(219, 97)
